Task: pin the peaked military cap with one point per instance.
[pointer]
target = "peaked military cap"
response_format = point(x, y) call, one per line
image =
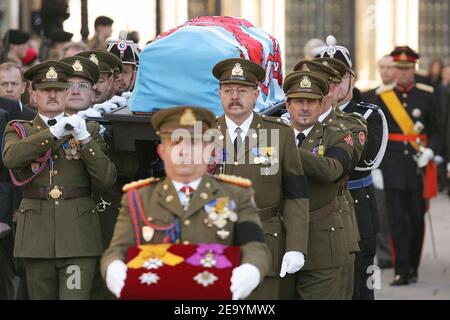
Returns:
point(404, 57)
point(182, 117)
point(337, 65)
point(83, 67)
point(16, 37)
point(330, 74)
point(305, 84)
point(126, 50)
point(106, 61)
point(240, 71)
point(49, 74)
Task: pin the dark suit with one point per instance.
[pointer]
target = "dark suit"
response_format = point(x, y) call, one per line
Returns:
point(14, 110)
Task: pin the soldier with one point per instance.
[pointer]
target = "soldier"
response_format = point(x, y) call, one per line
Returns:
point(15, 46)
point(333, 70)
point(360, 184)
point(410, 110)
point(58, 40)
point(179, 200)
point(273, 164)
point(110, 66)
point(85, 75)
point(57, 159)
point(326, 154)
point(128, 53)
point(103, 30)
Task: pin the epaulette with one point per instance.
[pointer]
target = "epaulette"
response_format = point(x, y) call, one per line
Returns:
point(424, 87)
point(384, 88)
point(275, 120)
point(238, 181)
point(335, 125)
point(21, 121)
point(139, 184)
point(365, 105)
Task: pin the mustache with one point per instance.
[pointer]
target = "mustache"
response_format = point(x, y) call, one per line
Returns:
point(237, 103)
point(52, 100)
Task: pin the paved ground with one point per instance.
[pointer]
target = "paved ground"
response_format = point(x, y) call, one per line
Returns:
point(434, 274)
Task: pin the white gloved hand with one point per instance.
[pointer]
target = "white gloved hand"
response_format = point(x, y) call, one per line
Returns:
point(378, 181)
point(105, 107)
point(244, 280)
point(116, 273)
point(293, 261)
point(438, 159)
point(120, 101)
point(80, 132)
point(425, 157)
point(59, 130)
point(126, 95)
point(89, 113)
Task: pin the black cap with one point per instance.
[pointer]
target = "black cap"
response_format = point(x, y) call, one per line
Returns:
point(61, 36)
point(103, 21)
point(16, 37)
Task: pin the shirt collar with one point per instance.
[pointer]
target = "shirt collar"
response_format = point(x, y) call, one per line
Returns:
point(193, 184)
point(324, 115)
point(344, 106)
point(305, 132)
point(245, 126)
point(57, 118)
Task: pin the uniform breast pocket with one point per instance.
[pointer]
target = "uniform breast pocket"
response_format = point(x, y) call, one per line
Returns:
point(88, 224)
point(29, 220)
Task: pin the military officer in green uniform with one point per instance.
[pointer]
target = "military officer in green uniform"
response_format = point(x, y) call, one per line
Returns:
point(57, 159)
point(262, 149)
point(334, 70)
point(326, 157)
point(180, 199)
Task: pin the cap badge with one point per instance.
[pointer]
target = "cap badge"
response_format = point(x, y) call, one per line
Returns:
point(403, 56)
point(305, 67)
point(237, 70)
point(122, 46)
point(187, 118)
point(305, 83)
point(51, 74)
point(325, 63)
point(77, 66)
point(94, 59)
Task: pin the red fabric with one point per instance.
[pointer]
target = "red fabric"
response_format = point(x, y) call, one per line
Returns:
point(30, 56)
point(430, 184)
point(177, 283)
point(399, 137)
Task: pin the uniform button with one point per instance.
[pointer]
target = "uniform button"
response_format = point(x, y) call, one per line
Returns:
point(340, 211)
point(405, 95)
point(93, 153)
point(56, 156)
point(406, 152)
point(368, 196)
point(332, 229)
point(356, 201)
point(187, 222)
point(405, 143)
point(46, 141)
point(185, 242)
point(42, 144)
point(55, 172)
point(405, 104)
point(56, 203)
point(275, 235)
point(236, 163)
point(93, 211)
point(90, 150)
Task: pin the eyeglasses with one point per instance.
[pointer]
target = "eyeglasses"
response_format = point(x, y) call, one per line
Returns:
point(6, 84)
point(81, 86)
point(240, 92)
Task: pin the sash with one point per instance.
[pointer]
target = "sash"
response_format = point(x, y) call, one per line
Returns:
point(400, 116)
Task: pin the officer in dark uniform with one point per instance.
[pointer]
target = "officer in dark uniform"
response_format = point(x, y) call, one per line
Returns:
point(360, 182)
point(410, 109)
point(128, 53)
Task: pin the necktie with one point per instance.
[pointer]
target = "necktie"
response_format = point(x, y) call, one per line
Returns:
point(237, 142)
point(301, 137)
point(51, 122)
point(188, 191)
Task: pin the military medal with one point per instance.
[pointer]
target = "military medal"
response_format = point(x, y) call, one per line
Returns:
point(35, 166)
point(208, 260)
point(219, 211)
point(149, 278)
point(205, 278)
point(223, 234)
point(72, 149)
point(153, 264)
point(148, 233)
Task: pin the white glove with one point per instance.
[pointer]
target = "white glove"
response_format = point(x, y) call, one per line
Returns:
point(378, 181)
point(89, 113)
point(425, 157)
point(293, 261)
point(105, 107)
point(438, 159)
point(126, 95)
point(79, 127)
point(120, 101)
point(244, 280)
point(116, 273)
point(59, 129)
